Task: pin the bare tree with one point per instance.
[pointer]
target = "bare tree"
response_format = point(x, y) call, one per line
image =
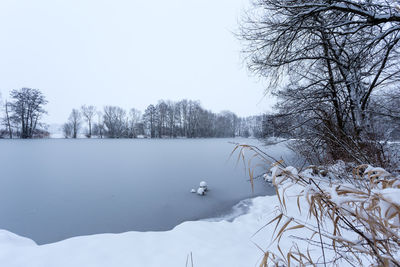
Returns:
point(26, 110)
point(88, 113)
point(75, 122)
point(115, 122)
point(99, 126)
point(67, 129)
point(134, 119)
point(326, 59)
point(184, 113)
point(8, 119)
point(150, 119)
point(171, 118)
point(161, 118)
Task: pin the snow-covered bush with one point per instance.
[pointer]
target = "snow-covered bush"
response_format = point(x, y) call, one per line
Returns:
point(344, 216)
point(356, 217)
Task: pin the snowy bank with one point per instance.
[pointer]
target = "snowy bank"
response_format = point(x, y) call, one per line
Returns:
point(220, 243)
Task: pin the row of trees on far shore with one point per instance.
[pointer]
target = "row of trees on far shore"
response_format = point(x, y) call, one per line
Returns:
point(185, 118)
point(21, 116)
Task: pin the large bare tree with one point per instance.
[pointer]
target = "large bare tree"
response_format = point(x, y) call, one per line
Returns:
point(325, 59)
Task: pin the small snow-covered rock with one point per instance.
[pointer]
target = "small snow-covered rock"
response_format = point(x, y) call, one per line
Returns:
point(203, 185)
point(201, 191)
point(192, 191)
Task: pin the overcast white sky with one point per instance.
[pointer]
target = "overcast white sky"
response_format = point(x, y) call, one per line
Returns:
point(129, 53)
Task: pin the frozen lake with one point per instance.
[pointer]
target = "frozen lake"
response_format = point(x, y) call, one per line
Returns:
point(54, 189)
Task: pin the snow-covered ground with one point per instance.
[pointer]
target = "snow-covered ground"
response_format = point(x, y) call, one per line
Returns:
point(220, 243)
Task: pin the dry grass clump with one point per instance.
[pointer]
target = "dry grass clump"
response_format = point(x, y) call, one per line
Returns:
point(351, 217)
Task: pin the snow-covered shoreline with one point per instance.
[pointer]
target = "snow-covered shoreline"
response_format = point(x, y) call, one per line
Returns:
point(212, 243)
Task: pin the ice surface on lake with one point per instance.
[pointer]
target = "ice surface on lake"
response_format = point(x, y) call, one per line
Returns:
point(54, 189)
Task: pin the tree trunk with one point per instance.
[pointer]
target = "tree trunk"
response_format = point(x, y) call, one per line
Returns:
point(8, 122)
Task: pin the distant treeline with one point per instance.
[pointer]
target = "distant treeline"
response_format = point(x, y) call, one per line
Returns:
point(21, 117)
point(185, 118)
